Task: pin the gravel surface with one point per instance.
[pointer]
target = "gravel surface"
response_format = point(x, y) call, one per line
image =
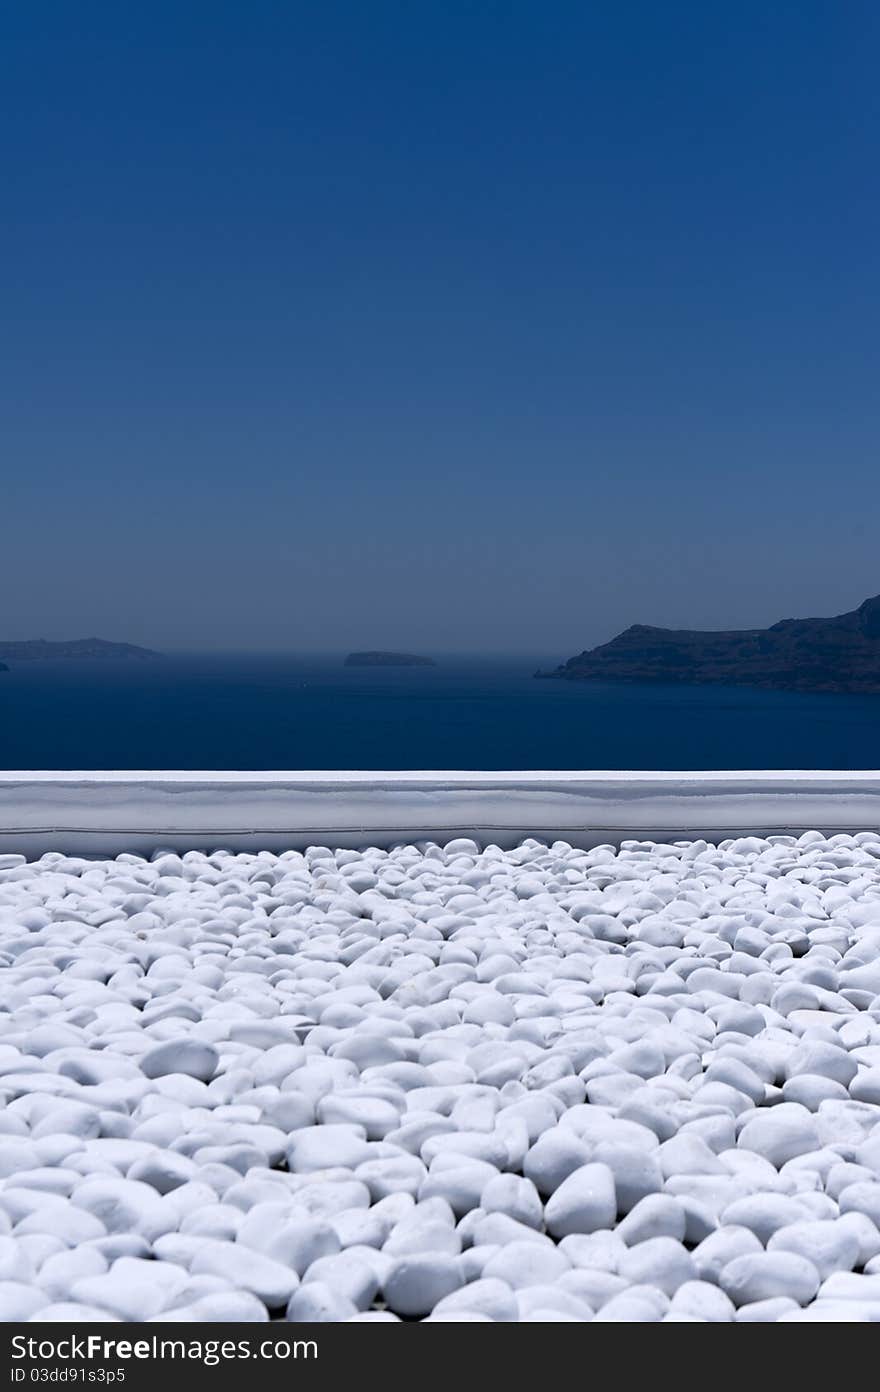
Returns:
point(444, 1082)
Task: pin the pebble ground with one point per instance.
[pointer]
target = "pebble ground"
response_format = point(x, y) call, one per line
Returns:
point(443, 1082)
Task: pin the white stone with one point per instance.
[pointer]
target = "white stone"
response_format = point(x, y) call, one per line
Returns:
point(15, 1265)
point(281, 1230)
point(705, 1300)
point(866, 1086)
point(461, 1185)
point(553, 1157)
point(657, 1215)
point(599, 1251)
point(526, 1264)
point(542, 1301)
point(582, 1203)
point(489, 1297)
point(629, 1309)
point(722, 1247)
point(862, 1198)
point(324, 1147)
point(636, 1171)
point(515, 1196)
point(132, 1289)
point(458, 1317)
point(830, 1246)
point(766, 1311)
point(262, 1276)
point(71, 1312)
point(422, 1235)
point(189, 1056)
point(866, 1234)
point(780, 1133)
point(125, 1206)
point(395, 1175)
point(376, 1115)
point(851, 1285)
point(348, 1274)
point(222, 1307)
point(164, 1171)
point(764, 1214)
point(20, 1302)
point(660, 1262)
point(827, 1312)
point(58, 1273)
point(824, 1060)
point(317, 1303)
point(763, 1275)
point(592, 1286)
point(240, 1070)
point(416, 1284)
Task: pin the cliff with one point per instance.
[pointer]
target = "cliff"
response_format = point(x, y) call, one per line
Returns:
point(836, 654)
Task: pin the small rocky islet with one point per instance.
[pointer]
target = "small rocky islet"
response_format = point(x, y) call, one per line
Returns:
point(387, 659)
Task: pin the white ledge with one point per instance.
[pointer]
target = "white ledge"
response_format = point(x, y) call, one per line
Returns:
point(107, 812)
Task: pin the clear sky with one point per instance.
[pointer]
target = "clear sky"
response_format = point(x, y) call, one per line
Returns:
point(441, 325)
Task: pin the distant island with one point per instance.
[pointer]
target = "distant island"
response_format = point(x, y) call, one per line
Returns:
point(387, 659)
point(35, 648)
point(837, 654)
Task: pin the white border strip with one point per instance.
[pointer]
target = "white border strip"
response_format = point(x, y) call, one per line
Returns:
point(105, 813)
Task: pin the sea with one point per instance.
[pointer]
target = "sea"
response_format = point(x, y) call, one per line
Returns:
point(298, 712)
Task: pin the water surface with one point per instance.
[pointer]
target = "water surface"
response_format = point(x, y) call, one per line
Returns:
point(282, 712)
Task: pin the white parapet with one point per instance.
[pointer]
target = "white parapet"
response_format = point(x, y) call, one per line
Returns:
point(105, 813)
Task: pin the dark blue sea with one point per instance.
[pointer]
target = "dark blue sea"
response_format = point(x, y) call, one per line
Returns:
point(282, 712)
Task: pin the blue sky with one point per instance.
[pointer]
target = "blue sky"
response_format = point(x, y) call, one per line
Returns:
point(479, 326)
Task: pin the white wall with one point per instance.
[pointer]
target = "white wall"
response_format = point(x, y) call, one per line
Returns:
point(105, 813)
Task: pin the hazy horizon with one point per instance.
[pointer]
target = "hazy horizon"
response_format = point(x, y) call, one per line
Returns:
point(299, 650)
point(487, 329)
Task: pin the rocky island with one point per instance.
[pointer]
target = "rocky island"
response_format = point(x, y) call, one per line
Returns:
point(27, 650)
point(836, 654)
point(387, 659)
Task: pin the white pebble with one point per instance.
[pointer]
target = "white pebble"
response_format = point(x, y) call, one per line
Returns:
point(188, 1056)
point(582, 1203)
point(262, 1276)
point(527, 1264)
point(416, 1284)
point(763, 1275)
point(660, 1262)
